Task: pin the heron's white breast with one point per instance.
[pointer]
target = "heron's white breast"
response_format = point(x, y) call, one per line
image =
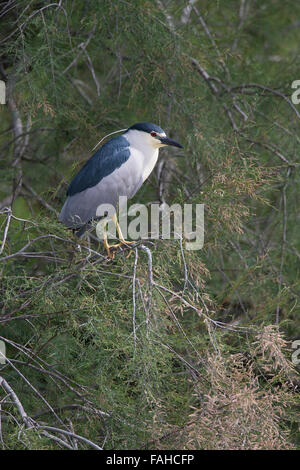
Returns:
point(149, 164)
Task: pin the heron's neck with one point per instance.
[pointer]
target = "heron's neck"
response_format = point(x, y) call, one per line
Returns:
point(139, 142)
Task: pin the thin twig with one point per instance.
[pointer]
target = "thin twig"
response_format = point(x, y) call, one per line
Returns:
point(134, 298)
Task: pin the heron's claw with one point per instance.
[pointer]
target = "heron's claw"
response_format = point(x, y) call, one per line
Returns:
point(110, 248)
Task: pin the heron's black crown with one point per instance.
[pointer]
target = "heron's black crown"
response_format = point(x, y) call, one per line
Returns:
point(146, 127)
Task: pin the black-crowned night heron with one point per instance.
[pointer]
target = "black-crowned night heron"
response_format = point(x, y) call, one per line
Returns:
point(118, 168)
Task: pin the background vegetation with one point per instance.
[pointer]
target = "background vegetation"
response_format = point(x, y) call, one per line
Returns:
point(168, 348)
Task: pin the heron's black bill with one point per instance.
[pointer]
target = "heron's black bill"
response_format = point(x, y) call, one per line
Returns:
point(167, 141)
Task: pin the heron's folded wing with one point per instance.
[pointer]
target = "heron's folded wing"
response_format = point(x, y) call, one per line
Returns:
point(105, 161)
point(124, 179)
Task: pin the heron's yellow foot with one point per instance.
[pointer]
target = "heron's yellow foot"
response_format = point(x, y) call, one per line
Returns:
point(123, 242)
point(121, 238)
point(108, 247)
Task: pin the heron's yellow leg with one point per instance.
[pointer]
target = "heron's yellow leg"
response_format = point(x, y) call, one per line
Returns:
point(109, 247)
point(122, 239)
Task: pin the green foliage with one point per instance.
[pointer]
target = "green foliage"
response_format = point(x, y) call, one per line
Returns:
point(98, 347)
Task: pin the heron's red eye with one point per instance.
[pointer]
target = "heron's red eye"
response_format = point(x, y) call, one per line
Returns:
point(153, 134)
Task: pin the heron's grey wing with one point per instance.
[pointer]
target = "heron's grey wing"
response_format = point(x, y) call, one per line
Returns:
point(82, 207)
